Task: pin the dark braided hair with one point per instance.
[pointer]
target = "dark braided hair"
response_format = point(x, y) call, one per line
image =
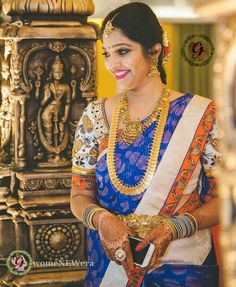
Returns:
point(139, 23)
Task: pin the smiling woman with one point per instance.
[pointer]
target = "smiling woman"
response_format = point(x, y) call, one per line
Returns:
point(142, 166)
point(125, 60)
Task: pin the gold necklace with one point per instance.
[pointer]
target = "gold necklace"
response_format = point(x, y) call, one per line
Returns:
point(163, 108)
point(133, 129)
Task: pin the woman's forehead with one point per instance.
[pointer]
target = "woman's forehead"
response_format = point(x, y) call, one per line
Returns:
point(116, 38)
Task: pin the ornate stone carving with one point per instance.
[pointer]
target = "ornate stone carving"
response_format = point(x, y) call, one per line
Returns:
point(57, 241)
point(46, 184)
point(50, 183)
point(31, 184)
point(54, 112)
point(50, 75)
point(66, 182)
point(58, 73)
point(51, 7)
point(6, 114)
point(6, 106)
point(47, 214)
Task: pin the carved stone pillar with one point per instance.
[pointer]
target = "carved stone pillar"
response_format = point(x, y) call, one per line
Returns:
point(48, 78)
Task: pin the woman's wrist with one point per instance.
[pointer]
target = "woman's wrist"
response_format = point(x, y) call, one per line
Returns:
point(88, 215)
point(168, 225)
point(183, 225)
point(97, 215)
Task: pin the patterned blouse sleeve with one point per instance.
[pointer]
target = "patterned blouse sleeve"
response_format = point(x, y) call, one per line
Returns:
point(85, 153)
point(210, 158)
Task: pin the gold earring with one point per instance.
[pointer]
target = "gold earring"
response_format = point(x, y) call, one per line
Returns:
point(153, 69)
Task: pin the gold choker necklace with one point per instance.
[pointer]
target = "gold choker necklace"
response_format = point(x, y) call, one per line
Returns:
point(133, 129)
point(161, 113)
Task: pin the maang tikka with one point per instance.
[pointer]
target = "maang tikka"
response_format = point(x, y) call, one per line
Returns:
point(109, 27)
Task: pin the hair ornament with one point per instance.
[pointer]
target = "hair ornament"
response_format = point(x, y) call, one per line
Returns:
point(165, 40)
point(109, 27)
point(166, 47)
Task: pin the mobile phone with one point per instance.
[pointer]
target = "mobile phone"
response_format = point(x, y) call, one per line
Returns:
point(141, 258)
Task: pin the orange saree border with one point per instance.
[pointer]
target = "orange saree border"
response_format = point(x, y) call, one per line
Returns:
point(190, 162)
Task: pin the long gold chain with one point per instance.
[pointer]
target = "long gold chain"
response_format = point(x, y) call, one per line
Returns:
point(139, 187)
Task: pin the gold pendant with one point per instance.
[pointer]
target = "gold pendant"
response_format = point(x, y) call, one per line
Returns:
point(131, 131)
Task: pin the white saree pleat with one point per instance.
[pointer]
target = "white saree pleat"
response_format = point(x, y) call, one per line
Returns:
point(192, 250)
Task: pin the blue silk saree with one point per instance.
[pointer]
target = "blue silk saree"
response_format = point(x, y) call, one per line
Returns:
point(131, 161)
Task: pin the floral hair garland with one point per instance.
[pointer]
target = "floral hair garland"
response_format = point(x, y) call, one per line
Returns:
point(166, 48)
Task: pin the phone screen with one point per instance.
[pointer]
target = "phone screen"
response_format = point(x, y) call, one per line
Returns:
point(138, 256)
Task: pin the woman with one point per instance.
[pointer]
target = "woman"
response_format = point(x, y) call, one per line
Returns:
point(142, 166)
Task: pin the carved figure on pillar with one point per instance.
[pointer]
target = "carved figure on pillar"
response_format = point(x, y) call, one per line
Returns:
point(6, 115)
point(54, 112)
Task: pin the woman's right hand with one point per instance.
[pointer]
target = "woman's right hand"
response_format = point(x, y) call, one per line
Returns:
point(114, 235)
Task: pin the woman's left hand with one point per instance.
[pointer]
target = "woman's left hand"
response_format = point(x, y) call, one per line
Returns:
point(160, 236)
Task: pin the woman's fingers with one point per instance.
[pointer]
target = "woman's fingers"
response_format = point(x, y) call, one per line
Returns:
point(161, 239)
point(127, 263)
point(108, 252)
point(148, 239)
point(155, 256)
point(129, 258)
point(131, 232)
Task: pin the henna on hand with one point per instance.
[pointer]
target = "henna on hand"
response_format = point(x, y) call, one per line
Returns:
point(114, 235)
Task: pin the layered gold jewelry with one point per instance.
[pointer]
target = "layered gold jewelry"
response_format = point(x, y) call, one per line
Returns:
point(133, 129)
point(160, 115)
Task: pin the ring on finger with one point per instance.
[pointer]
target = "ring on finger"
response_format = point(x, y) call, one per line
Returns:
point(120, 255)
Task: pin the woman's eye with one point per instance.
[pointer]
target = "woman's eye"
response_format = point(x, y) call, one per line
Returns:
point(123, 51)
point(105, 54)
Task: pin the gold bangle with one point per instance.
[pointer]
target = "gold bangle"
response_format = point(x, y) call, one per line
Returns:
point(172, 227)
point(85, 214)
point(88, 213)
point(91, 215)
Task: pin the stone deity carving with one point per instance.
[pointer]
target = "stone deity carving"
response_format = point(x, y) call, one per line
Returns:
point(54, 112)
point(6, 114)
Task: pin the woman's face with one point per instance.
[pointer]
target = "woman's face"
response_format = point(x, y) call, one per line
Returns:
point(126, 61)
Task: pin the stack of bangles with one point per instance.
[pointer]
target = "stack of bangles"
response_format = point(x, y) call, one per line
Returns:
point(88, 213)
point(183, 225)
